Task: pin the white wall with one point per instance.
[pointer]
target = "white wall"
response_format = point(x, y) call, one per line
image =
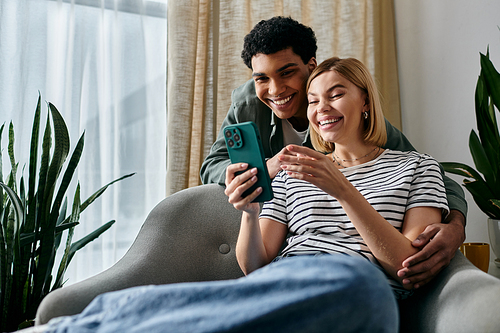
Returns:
point(438, 54)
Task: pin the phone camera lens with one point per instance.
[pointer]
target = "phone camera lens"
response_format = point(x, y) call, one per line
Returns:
point(228, 133)
point(230, 143)
point(236, 137)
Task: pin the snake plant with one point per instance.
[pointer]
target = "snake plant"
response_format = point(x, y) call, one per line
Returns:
point(485, 147)
point(33, 215)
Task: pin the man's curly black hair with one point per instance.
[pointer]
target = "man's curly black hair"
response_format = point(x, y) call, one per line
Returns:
point(276, 34)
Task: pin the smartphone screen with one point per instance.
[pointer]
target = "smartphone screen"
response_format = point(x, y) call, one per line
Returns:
point(244, 146)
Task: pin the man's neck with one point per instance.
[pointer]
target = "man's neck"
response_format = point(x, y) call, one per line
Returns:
point(299, 124)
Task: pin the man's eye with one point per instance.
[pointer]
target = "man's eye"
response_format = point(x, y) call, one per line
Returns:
point(260, 79)
point(285, 73)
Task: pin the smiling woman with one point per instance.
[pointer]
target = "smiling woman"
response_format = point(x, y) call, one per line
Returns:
point(103, 63)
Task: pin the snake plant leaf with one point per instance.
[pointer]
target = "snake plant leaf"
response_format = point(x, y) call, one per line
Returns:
point(88, 238)
point(13, 164)
point(42, 173)
point(47, 249)
point(100, 191)
point(68, 174)
point(75, 217)
point(29, 238)
point(17, 208)
point(33, 162)
point(35, 135)
point(61, 151)
point(60, 220)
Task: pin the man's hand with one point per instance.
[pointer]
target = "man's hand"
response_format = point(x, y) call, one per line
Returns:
point(438, 244)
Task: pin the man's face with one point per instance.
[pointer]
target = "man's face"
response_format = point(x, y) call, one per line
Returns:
point(280, 82)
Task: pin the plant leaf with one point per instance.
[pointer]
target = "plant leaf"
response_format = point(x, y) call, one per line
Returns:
point(482, 197)
point(28, 238)
point(492, 79)
point(98, 193)
point(17, 208)
point(87, 239)
point(480, 159)
point(13, 163)
point(75, 217)
point(461, 169)
point(496, 203)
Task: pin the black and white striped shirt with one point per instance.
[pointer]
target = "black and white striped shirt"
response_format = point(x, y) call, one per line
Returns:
point(392, 183)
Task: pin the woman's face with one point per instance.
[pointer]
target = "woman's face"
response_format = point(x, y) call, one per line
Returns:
point(335, 108)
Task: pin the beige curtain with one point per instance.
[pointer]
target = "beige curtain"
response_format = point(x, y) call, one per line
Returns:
point(205, 39)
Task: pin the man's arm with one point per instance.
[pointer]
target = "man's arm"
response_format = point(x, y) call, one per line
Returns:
point(213, 169)
point(446, 237)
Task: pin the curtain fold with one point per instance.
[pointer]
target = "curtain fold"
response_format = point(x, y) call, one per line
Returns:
point(205, 39)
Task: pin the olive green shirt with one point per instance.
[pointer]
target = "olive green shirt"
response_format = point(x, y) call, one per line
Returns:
point(246, 106)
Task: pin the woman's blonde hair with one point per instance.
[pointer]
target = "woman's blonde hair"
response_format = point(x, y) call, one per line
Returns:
point(356, 72)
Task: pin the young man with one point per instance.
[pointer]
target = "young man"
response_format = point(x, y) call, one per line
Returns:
point(282, 53)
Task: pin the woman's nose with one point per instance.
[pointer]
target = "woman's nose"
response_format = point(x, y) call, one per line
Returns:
point(322, 106)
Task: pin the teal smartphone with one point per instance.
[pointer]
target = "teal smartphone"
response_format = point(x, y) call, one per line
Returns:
point(244, 146)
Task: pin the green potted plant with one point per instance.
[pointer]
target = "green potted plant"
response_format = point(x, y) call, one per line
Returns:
point(483, 182)
point(34, 214)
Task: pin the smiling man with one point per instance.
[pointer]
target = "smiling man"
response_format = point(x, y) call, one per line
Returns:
point(281, 53)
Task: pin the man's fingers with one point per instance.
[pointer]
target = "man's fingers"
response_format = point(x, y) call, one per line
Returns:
point(420, 279)
point(423, 271)
point(425, 237)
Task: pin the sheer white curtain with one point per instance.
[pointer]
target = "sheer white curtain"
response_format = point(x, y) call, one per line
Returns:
point(102, 63)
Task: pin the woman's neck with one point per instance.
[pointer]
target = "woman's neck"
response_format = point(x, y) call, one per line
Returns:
point(352, 155)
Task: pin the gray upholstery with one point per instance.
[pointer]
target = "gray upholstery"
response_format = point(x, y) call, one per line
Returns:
point(191, 236)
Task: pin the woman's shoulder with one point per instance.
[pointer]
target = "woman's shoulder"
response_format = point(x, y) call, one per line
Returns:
point(410, 155)
point(411, 159)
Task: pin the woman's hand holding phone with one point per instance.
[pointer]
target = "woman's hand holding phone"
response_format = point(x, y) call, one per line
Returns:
point(237, 184)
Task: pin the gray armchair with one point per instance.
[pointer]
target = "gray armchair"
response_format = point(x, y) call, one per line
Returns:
point(191, 236)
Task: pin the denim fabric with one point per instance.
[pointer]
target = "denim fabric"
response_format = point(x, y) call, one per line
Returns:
point(330, 293)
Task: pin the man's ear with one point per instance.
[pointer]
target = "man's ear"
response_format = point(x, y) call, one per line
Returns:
point(312, 64)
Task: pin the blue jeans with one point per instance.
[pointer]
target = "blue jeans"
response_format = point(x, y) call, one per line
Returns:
point(329, 293)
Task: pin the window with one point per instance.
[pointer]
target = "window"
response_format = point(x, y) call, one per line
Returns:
point(102, 63)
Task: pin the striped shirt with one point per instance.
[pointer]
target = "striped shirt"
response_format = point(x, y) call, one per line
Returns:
point(392, 183)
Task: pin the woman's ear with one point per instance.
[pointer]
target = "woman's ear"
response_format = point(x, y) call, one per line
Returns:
point(367, 104)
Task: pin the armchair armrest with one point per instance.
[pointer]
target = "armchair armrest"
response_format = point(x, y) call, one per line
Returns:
point(189, 236)
point(461, 298)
